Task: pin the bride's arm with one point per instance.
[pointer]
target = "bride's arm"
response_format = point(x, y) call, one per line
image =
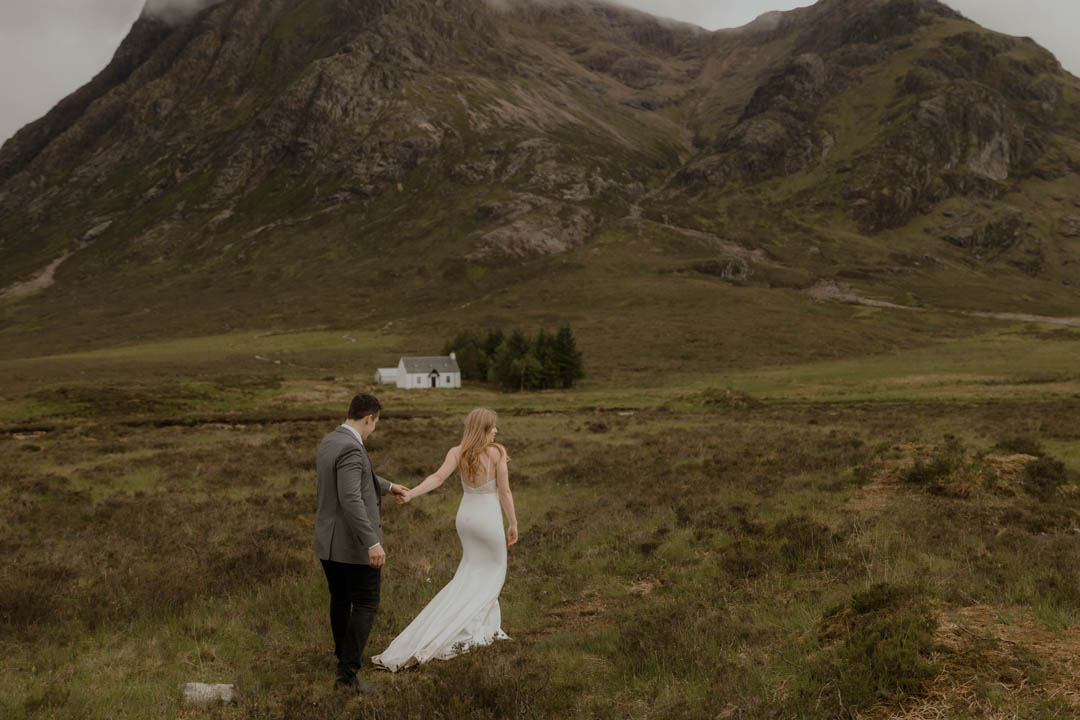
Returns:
point(437, 478)
point(506, 499)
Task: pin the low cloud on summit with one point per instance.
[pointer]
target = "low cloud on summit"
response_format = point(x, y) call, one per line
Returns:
point(176, 10)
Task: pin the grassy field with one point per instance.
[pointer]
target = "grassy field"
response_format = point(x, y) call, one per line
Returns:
point(893, 536)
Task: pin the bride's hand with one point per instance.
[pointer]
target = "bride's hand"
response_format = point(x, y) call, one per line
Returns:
point(511, 535)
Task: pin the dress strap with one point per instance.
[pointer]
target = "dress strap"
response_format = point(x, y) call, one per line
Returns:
point(485, 487)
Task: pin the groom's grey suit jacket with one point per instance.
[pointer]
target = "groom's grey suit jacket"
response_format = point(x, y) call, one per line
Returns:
point(350, 494)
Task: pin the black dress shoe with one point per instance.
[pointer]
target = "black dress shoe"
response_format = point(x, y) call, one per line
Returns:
point(355, 684)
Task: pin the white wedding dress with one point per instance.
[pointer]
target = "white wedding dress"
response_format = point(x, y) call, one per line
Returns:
point(465, 613)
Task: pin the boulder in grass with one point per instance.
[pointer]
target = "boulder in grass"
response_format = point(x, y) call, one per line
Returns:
point(1070, 225)
point(197, 693)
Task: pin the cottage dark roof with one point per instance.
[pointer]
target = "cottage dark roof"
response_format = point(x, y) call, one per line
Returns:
point(439, 363)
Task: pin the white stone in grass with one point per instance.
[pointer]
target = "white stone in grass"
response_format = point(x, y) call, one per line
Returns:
point(204, 693)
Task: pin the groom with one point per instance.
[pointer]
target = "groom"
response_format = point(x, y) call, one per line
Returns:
point(348, 536)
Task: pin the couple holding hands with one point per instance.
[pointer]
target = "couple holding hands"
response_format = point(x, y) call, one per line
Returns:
point(348, 541)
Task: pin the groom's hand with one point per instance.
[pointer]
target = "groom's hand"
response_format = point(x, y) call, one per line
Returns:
point(377, 556)
point(400, 492)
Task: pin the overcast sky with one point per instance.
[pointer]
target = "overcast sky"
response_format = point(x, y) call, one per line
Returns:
point(49, 48)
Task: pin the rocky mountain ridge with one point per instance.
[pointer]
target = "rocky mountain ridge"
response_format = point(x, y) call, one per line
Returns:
point(536, 128)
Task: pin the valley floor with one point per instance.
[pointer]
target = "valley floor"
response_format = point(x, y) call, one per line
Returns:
point(887, 536)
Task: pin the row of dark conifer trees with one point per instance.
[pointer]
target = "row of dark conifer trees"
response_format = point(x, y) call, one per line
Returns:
point(516, 362)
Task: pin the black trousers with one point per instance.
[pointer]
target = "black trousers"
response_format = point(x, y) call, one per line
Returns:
point(354, 599)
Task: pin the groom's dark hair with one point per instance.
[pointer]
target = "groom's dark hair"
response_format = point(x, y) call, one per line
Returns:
point(363, 405)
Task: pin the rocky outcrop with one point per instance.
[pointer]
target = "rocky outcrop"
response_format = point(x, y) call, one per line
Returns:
point(1070, 226)
point(964, 139)
point(774, 134)
point(532, 225)
point(266, 86)
point(971, 231)
point(974, 122)
point(961, 124)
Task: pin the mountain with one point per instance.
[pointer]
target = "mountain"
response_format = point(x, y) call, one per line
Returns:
point(441, 163)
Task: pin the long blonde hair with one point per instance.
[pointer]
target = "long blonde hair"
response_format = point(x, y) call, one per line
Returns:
point(474, 443)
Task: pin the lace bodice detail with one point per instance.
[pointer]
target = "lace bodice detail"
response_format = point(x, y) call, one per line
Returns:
point(484, 489)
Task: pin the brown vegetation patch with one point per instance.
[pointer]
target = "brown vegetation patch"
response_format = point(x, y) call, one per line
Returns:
point(982, 650)
point(304, 394)
point(728, 398)
point(948, 472)
point(575, 614)
point(1008, 470)
point(644, 586)
point(27, 435)
point(872, 498)
point(877, 495)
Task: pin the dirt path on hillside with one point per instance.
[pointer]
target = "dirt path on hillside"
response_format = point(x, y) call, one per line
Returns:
point(44, 278)
point(831, 291)
point(1073, 321)
point(727, 247)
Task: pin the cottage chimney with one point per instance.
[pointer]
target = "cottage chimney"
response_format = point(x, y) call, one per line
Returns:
point(453, 356)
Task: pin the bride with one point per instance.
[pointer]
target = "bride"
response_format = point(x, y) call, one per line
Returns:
point(465, 613)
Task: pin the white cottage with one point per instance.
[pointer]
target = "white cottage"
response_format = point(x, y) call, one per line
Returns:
point(386, 376)
point(439, 371)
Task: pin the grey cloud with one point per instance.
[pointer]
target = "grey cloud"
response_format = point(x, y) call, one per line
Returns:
point(49, 48)
point(174, 11)
point(710, 14)
point(21, 18)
